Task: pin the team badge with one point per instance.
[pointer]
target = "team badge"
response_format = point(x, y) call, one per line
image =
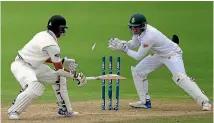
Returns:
point(133, 20)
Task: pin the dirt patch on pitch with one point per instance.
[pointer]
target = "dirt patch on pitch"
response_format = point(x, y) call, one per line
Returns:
point(91, 112)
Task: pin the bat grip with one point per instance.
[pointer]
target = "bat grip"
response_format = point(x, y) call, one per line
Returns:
point(91, 78)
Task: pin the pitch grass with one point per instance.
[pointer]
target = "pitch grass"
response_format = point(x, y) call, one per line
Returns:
point(208, 118)
point(91, 22)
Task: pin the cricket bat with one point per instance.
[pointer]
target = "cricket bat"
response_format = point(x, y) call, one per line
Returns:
point(106, 77)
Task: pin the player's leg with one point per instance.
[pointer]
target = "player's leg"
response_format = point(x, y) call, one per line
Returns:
point(139, 74)
point(59, 85)
point(32, 88)
point(176, 66)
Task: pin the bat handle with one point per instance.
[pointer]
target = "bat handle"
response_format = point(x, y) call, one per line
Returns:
point(91, 78)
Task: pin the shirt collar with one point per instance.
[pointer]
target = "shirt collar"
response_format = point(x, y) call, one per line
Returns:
point(52, 34)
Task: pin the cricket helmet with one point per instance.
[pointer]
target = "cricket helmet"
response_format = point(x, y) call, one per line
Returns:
point(137, 20)
point(57, 24)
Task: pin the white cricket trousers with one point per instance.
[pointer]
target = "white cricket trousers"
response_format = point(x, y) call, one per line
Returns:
point(31, 80)
point(25, 74)
point(152, 62)
point(176, 66)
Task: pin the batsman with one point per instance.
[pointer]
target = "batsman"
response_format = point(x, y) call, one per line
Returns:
point(164, 52)
point(31, 72)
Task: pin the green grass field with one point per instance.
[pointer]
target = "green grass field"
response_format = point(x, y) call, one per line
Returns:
point(91, 22)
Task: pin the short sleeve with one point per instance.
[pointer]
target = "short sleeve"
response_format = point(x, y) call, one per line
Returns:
point(53, 52)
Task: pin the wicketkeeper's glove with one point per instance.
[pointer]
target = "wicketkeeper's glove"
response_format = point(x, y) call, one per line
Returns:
point(116, 44)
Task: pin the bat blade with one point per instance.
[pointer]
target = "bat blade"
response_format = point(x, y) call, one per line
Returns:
point(106, 77)
point(111, 76)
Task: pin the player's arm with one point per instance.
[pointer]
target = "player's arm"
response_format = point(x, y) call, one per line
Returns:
point(54, 53)
point(57, 65)
point(49, 60)
point(142, 51)
point(134, 43)
point(70, 64)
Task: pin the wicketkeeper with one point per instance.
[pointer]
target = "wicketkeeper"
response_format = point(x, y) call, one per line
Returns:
point(164, 52)
point(30, 70)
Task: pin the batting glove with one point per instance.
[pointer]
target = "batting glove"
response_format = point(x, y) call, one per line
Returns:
point(69, 64)
point(80, 78)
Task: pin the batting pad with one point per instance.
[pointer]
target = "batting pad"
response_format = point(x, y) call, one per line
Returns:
point(22, 102)
point(24, 99)
point(183, 81)
point(141, 85)
point(60, 90)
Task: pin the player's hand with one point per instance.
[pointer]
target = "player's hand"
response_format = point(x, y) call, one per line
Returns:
point(116, 44)
point(81, 79)
point(69, 64)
